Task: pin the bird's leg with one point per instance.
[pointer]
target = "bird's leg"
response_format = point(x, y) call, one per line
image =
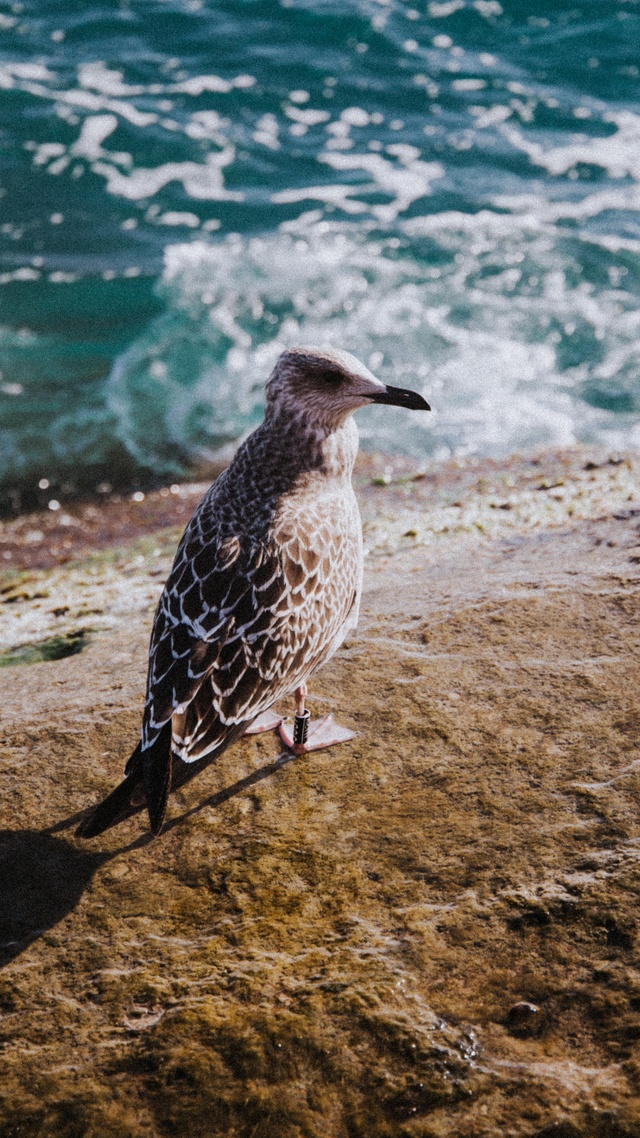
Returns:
point(301, 694)
point(307, 736)
point(301, 721)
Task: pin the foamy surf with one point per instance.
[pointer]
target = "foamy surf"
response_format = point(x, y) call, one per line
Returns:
point(447, 191)
point(477, 311)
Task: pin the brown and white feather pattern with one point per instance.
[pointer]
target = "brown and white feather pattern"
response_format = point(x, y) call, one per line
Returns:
point(264, 588)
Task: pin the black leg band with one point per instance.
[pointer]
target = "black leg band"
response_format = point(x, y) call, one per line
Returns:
point(301, 728)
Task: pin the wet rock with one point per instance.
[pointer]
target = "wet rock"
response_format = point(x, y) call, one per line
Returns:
point(329, 947)
point(560, 1129)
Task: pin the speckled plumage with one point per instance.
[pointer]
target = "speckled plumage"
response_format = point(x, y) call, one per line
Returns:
point(264, 588)
point(266, 581)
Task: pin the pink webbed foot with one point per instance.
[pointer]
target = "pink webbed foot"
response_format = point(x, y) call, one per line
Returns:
point(268, 721)
point(322, 733)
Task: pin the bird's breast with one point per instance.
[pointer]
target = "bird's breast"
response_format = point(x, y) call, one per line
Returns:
point(318, 535)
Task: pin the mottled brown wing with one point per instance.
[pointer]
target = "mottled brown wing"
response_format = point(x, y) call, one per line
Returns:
point(240, 623)
point(216, 588)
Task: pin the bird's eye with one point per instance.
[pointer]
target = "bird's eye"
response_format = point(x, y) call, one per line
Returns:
point(332, 378)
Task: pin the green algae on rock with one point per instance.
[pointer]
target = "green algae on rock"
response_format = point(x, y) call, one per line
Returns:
point(53, 648)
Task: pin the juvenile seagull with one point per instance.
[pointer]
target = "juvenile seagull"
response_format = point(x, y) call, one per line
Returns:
point(265, 585)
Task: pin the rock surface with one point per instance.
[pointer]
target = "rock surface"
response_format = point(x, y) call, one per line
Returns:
point(430, 932)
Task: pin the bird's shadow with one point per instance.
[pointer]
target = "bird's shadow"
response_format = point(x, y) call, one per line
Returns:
point(43, 875)
point(230, 791)
point(42, 878)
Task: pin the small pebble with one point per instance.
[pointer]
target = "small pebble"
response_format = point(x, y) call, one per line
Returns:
point(523, 1019)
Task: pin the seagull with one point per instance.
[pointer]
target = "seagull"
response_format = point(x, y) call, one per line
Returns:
point(265, 585)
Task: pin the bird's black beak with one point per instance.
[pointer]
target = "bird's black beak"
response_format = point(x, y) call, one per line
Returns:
point(401, 397)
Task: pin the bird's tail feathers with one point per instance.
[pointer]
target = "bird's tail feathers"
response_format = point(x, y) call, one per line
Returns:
point(148, 771)
point(116, 806)
point(156, 773)
point(152, 775)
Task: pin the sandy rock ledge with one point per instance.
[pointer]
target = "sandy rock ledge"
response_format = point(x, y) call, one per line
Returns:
point(430, 932)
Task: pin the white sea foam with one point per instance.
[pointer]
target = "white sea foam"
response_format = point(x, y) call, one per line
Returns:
point(307, 117)
point(441, 11)
point(468, 84)
point(333, 193)
point(198, 84)
point(98, 77)
point(174, 217)
point(406, 181)
point(491, 351)
point(10, 72)
point(266, 133)
point(505, 317)
point(85, 100)
point(206, 125)
point(203, 181)
point(618, 153)
point(95, 129)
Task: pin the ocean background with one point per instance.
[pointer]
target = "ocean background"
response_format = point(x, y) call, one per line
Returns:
point(449, 190)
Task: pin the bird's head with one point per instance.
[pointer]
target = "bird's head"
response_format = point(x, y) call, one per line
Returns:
point(325, 386)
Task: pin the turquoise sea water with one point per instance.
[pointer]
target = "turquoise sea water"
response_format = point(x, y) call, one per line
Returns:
point(450, 190)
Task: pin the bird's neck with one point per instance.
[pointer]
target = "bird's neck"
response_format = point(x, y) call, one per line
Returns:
point(339, 451)
point(300, 447)
point(276, 460)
